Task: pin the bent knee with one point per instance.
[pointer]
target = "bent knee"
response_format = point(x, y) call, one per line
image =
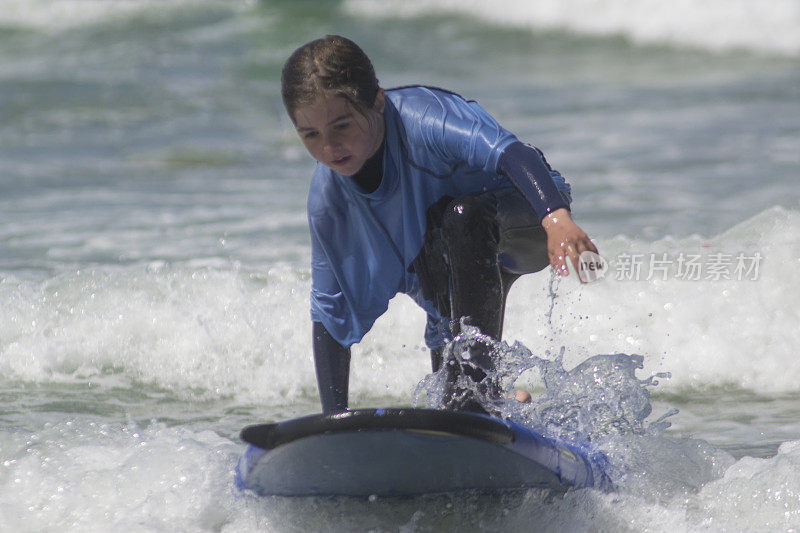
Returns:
point(463, 211)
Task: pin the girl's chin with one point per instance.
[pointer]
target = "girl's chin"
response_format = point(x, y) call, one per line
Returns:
point(345, 167)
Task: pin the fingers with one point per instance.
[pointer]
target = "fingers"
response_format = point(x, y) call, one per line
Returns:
point(574, 255)
point(566, 242)
point(570, 250)
point(558, 263)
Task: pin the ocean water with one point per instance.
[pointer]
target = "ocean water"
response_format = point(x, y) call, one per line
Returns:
point(154, 257)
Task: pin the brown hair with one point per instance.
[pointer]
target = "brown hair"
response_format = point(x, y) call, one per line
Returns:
point(333, 65)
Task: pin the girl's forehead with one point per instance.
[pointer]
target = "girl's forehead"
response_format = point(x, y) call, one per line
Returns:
point(322, 110)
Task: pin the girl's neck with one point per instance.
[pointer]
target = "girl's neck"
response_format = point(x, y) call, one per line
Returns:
point(369, 177)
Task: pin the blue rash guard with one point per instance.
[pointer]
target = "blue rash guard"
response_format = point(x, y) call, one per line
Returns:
point(437, 144)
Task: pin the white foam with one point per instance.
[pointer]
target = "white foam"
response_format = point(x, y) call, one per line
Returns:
point(64, 14)
point(705, 332)
point(82, 475)
point(222, 332)
point(709, 24)
point(762, 492)
point(229, 331)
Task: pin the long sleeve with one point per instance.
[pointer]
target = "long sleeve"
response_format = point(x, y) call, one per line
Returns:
point(525, 167)
point(332, 362)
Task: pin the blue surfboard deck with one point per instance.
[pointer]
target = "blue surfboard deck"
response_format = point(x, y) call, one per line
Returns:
point(408, 452)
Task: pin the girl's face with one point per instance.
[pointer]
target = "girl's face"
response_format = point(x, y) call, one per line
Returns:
point(338, 135)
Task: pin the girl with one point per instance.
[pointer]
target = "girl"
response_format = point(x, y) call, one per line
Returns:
point(419, 191)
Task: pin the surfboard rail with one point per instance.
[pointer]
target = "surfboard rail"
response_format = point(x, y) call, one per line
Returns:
point(407, 452)
point(463, 424)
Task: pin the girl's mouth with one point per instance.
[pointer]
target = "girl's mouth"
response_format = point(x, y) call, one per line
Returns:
point(341, 161)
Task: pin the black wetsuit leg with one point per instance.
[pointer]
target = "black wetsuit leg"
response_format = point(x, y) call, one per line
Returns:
point(488, 241)
point(475, 248)
point(522, 248)
point(470, 234)
point(471, 237)
point(436, 359)
point(332, 362)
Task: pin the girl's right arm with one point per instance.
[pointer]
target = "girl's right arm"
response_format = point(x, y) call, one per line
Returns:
point(332, 362)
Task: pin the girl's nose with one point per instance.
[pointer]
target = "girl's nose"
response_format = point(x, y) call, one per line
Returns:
point(330, 144)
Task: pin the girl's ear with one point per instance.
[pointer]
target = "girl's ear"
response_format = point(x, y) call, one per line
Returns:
point(380, 101)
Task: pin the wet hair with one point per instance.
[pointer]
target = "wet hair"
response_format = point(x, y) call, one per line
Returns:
point(331, 66)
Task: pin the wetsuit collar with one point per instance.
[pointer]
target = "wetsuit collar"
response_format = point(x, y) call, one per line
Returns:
point(371, 174)
point(389, 172)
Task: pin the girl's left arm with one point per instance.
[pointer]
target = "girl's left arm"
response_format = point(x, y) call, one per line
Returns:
point(462, 131)
point(524, 166)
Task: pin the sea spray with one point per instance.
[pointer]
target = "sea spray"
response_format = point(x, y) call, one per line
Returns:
point(599, 396)
point(600, 404)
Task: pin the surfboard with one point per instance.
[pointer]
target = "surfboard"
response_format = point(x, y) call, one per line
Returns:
point(408, 452)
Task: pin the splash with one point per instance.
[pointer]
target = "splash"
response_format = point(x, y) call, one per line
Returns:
point(600, 396)
point(600, 404)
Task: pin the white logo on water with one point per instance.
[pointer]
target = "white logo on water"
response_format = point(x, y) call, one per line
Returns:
point(591, 267)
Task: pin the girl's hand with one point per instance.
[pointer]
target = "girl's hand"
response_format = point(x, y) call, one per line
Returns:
point(565, 240)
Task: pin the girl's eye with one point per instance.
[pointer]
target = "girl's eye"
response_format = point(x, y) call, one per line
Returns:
point(310, 135)
point(341, 126)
